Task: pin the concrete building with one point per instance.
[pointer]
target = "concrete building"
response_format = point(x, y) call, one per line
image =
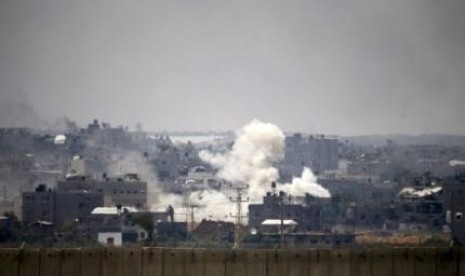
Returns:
point(454, 205)
point(370, 216)
point(128, 190)
point(306, 217)
point(125, 225)
point(199, 178)
point(320, 153)
point(38, 206)
point(114, 225)
point(420, 209)
point(58, 208)
point(371, 168)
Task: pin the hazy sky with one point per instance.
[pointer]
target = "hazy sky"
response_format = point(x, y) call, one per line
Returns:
point(330, 66)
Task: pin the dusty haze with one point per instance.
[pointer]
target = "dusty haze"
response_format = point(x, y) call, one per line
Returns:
point(332, 66)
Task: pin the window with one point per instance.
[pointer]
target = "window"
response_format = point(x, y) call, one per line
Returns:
point(459, 216)
point(407, 208)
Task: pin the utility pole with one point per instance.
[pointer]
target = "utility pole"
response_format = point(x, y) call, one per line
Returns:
point(238, 200)
point(281, 232)
point(192, 207)
point(190, 210)
point(189, 206)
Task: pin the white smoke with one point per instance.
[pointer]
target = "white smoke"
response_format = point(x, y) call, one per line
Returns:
point(306, 184)
point(212, 204)
point(124, 162)
point(258, 146)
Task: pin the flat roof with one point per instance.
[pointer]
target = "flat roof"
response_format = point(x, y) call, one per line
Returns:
point(112, 210)
point(278, 222)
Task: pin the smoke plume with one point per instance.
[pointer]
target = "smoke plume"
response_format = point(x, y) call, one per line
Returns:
point(257, 148)
point(16, 111)
point(123, 162)
point(306, 184)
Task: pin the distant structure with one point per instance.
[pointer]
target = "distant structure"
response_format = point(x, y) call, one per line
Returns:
point(306, 217)
point(318, 152)
point(200, 178)
point(116, 225)
point(58, 207)
point(127, 190)
point(420, 209)
point(454, 205)
point(281, 221)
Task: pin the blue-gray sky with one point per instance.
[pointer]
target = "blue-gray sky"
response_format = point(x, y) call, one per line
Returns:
point(330, 66)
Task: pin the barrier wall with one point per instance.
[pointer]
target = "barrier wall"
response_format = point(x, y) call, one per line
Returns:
point(115, 261)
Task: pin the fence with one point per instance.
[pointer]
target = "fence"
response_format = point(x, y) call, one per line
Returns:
point(113, 261)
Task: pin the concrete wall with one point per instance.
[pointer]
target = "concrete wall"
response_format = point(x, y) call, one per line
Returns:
point(227, 262)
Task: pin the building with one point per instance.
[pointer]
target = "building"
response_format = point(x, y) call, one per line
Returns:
point(127, 190)
point(124, 224)
point(370, 216)
point(57, 207)
point(420, 209)
point(318, 152)
point(371, 168)
point(199, 178)
point(307, 217)
point(115, 225)
point(454, 205)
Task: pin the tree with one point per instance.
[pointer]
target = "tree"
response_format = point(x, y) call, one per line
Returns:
point(146, 221)
point(10, 228)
